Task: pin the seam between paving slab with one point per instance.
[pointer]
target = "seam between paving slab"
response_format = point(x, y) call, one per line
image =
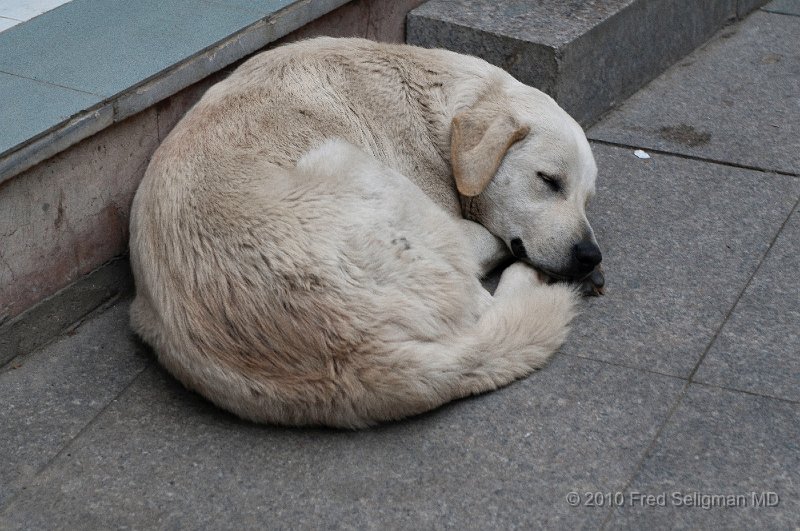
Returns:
point(646, 453)
point(67, 444)
point(694, 158)
point(659, 431)
point(744, 289)
point(684, 378)
point(625, 366)
point(51, 84)
point(746, 392)
point(736, 303)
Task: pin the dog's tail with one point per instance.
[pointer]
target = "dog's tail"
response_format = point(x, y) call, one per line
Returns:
point(524, 326)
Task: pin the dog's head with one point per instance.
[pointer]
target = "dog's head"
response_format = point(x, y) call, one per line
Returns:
point(525, 171)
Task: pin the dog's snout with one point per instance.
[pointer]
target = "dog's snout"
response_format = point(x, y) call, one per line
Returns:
point(587, 254)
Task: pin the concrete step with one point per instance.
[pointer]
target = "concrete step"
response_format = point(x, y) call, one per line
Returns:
point(588, 55)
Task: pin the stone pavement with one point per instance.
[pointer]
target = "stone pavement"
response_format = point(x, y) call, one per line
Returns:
point(683, 379)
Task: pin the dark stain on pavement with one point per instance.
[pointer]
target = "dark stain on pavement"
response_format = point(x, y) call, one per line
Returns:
point(685, 134)
point(60, 215)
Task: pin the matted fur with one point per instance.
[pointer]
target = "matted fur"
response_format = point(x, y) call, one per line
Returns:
point(297, 240)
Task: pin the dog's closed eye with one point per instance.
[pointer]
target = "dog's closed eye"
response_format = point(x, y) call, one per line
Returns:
point(553, 182)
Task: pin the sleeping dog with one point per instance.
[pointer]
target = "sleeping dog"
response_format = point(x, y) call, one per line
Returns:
point(308, 242)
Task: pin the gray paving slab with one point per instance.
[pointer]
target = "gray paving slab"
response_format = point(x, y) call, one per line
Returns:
point(734, 100)
point(22, 115)
point(680, 239)
point(587, 55)
point(785, 7)
point(720, 442)
point(48, 397)
point(758, 349)
point(161, 457)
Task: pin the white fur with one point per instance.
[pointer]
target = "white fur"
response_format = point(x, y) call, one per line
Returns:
point(298, 248)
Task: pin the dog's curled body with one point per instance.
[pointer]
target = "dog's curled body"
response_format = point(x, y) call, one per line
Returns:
point(317, 274)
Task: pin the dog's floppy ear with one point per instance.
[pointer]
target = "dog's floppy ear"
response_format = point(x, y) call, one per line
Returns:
point(479, 139)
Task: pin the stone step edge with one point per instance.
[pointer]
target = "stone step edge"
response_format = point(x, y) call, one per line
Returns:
point(61, 312)
point(168, 82)
point(554, 76)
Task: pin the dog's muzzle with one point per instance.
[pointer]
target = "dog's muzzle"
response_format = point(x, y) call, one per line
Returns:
point(584, 259)
point(584, 265)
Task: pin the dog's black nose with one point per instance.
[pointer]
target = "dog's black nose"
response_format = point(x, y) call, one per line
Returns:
point(587, 254)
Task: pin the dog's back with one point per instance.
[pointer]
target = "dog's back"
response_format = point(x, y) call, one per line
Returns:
point(393, 101)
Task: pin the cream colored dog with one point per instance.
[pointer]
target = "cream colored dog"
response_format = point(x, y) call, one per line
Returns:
point(298, 241)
